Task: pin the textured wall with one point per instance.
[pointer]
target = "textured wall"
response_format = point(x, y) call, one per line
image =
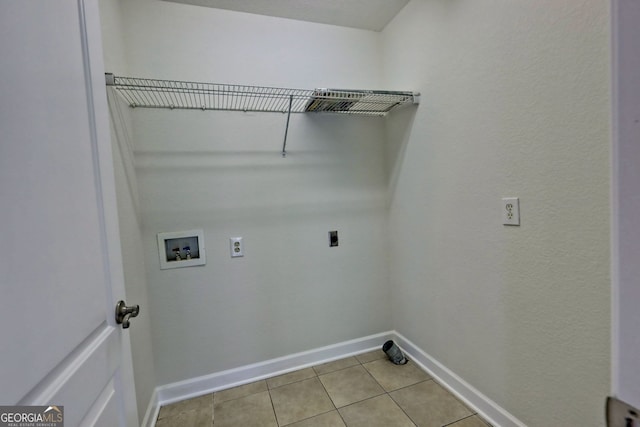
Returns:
point(515, 102)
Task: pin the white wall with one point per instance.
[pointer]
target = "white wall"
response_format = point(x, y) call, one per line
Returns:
point(223, 172)
point(515, 102)
point(626, 203)
point(136, 284)
point(113, 43)
point(176, 41)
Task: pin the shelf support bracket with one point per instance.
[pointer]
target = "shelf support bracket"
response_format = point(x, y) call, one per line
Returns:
point(286, 130)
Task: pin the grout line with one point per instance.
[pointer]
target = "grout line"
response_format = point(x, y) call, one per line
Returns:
point(374, 378)
point(338, 370)
point(363, 400)
point(273, 408)
point(464, 418)
point(292, 382)
point(213, 408)
point(400, 406)
point(328, 395)
point(411, 385)
point(240, 397)
point(308, 418)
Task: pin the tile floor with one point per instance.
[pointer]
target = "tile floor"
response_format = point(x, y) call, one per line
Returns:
point(361, 391)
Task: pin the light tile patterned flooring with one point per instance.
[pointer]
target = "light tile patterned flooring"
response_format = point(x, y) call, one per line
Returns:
point(361, 391)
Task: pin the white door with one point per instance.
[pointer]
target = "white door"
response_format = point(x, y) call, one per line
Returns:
point(626, 201)
point(60, 265)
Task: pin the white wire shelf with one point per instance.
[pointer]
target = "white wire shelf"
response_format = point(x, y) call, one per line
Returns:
point(171, 94)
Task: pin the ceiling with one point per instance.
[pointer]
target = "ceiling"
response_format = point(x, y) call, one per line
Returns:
point(364, 14)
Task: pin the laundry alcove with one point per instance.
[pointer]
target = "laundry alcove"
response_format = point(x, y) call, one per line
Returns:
point(220, 169)
point(515, 103)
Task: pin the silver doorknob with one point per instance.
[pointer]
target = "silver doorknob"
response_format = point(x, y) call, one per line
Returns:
point(124, 312)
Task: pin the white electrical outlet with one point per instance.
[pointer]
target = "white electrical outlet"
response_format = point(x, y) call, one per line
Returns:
point(237, 249)
point(510, 211)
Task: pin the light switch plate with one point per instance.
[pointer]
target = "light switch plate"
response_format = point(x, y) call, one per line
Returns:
point(510, 211)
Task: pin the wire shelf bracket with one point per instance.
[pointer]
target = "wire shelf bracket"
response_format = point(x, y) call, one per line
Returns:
point(286, 129)
point(173, 94)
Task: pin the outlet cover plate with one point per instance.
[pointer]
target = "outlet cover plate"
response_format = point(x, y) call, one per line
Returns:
point(510, 207)
point(236, 246)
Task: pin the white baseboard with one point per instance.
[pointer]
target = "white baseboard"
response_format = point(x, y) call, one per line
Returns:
point(198, 386)
point(245, 374)
point(472, 397)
